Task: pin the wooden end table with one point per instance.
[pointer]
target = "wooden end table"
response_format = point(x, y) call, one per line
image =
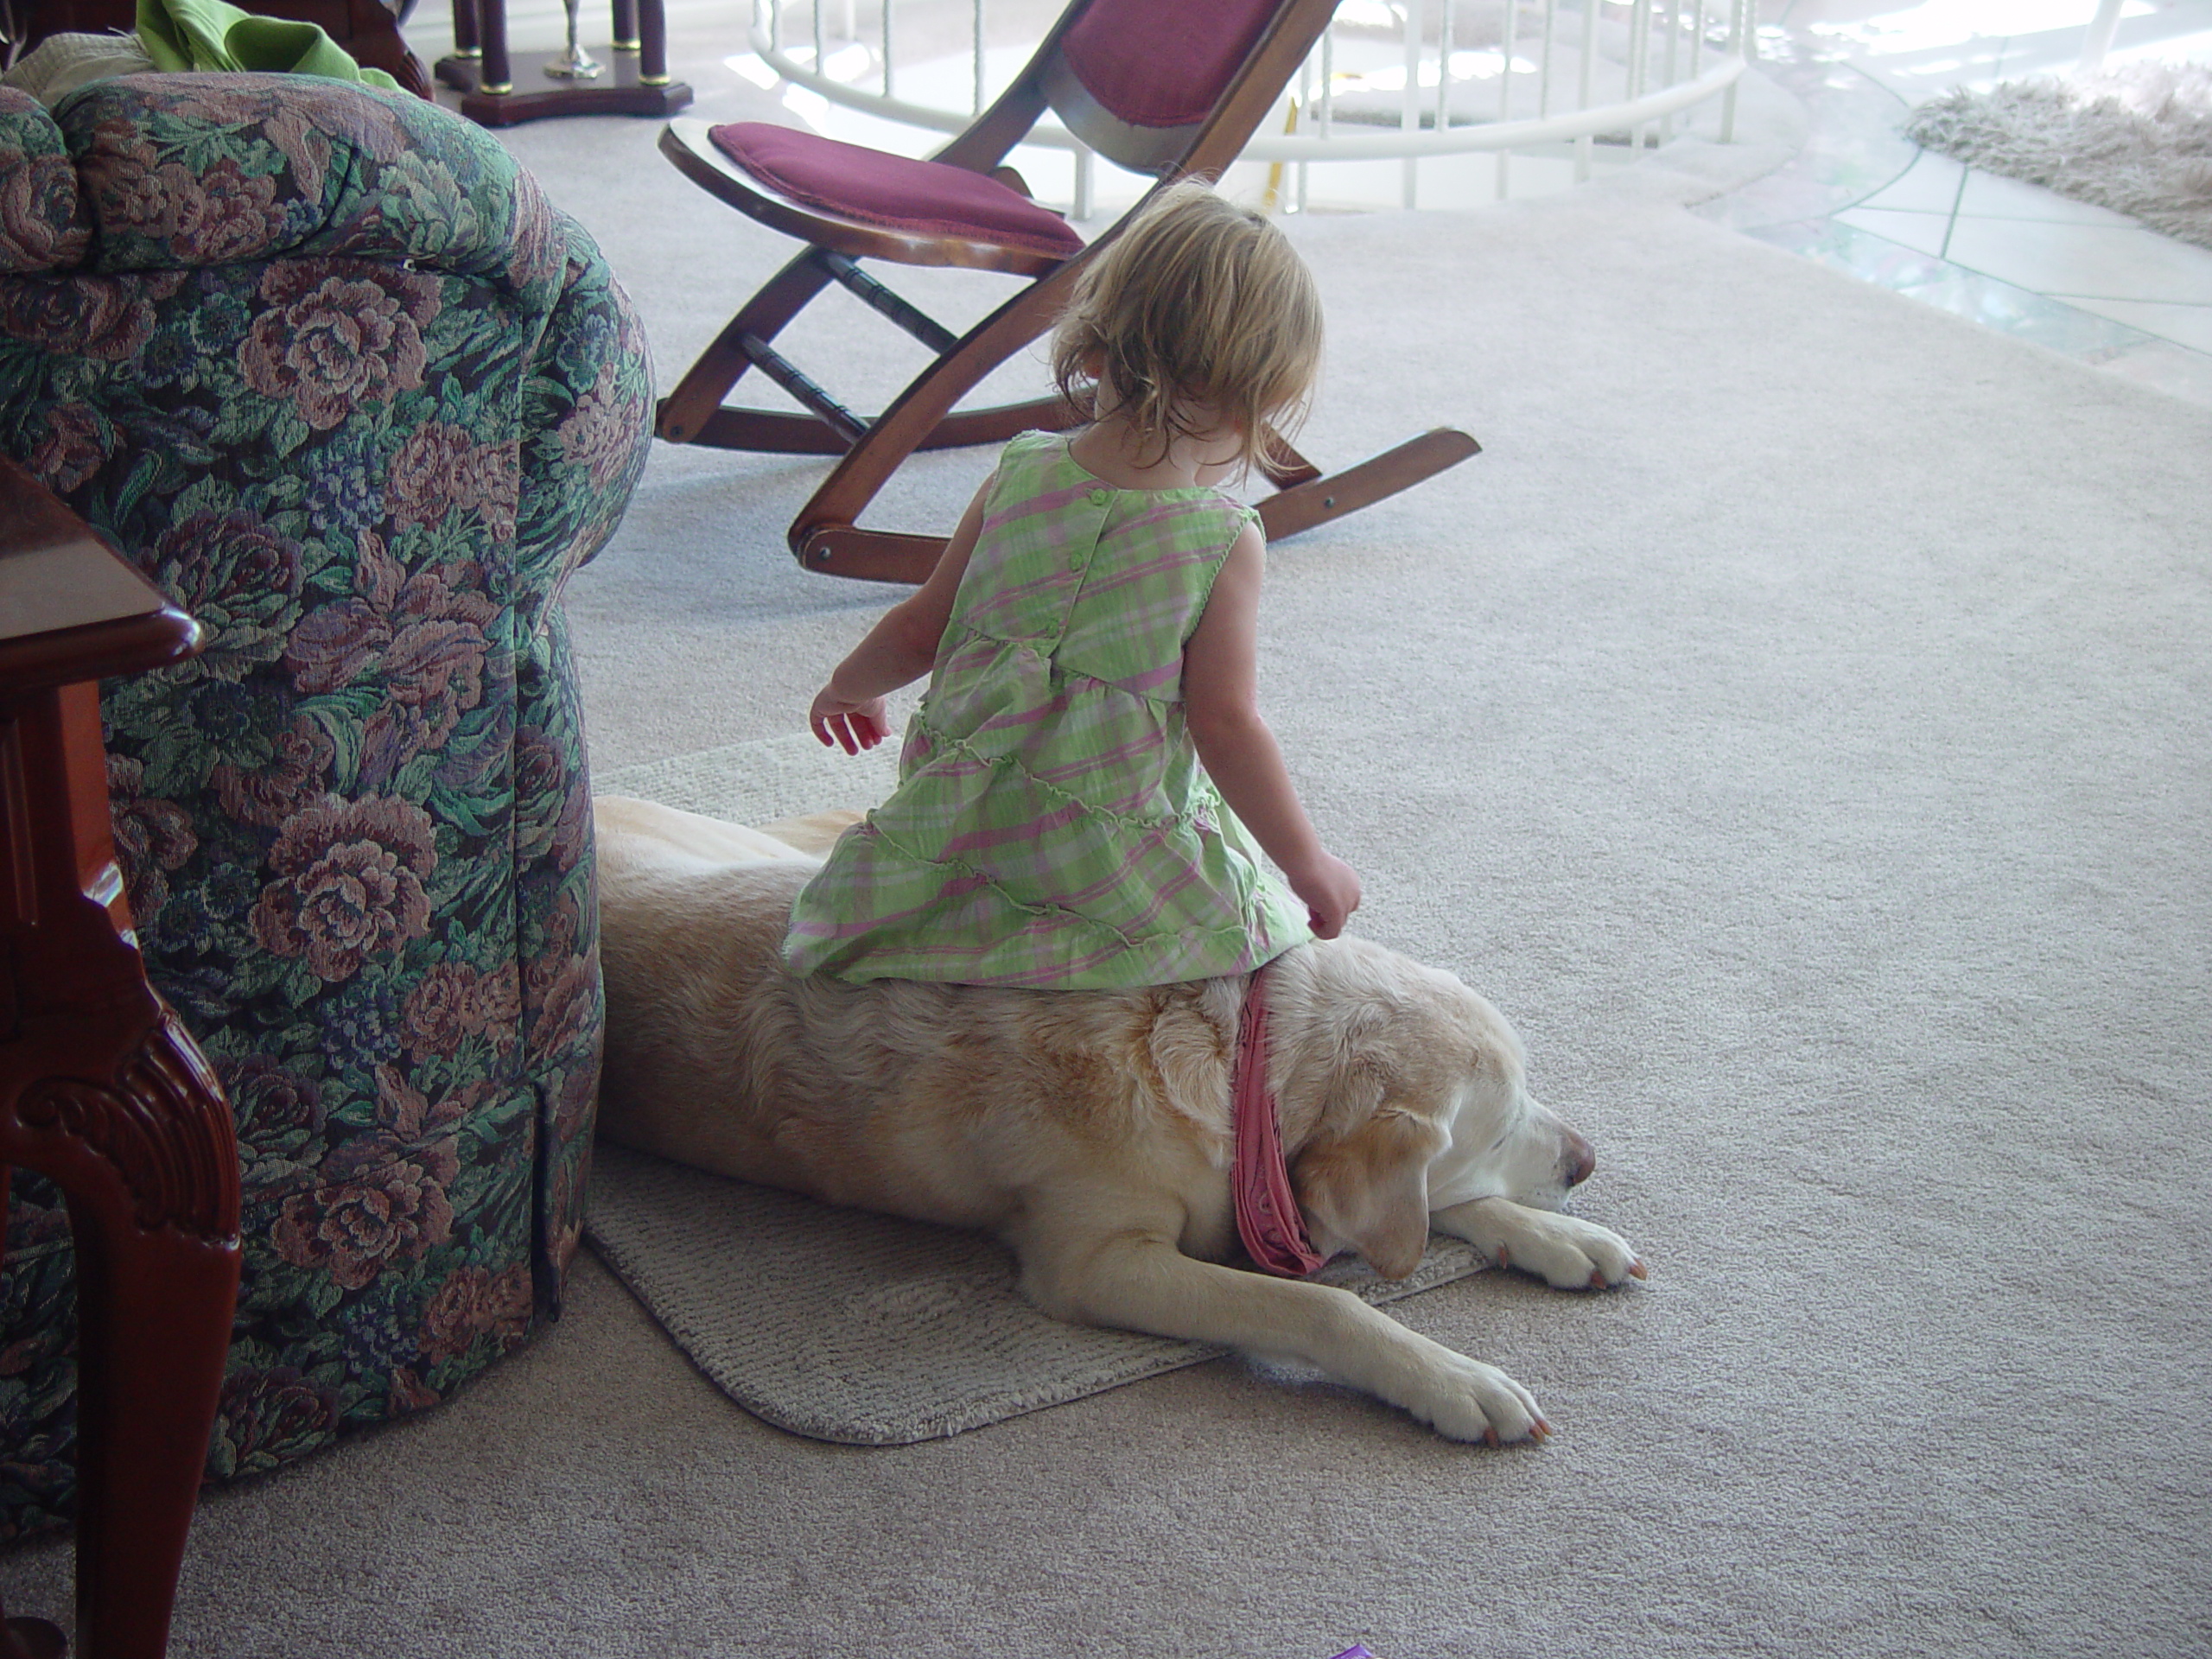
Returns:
point(500, 88)
point(102, 1089)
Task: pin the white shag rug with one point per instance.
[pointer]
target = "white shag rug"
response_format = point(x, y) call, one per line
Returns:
point(2137, 141)
point(837, 1323)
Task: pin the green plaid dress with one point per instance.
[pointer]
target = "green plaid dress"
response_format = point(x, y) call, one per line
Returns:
point(1053, 827)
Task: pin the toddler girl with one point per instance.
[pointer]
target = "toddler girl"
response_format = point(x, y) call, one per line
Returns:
point(1077, 785)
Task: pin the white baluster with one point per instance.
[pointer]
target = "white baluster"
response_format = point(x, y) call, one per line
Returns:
point(1589, 64)
point(1409, 117)
point(2098, 41)
point(1305, 111)
point(1544, 69)
point(1743, 28)
point(1639, 58)
point(1506, 41)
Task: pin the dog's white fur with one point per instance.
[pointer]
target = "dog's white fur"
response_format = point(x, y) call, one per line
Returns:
point(1091, 1130)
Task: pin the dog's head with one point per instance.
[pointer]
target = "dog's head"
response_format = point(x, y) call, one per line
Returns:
point(1412, 1086)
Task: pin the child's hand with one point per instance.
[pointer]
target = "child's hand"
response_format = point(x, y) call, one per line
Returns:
point(852, 726)
point(1331, 889)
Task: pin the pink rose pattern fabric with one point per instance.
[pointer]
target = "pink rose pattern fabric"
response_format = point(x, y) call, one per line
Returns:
point(332, 373)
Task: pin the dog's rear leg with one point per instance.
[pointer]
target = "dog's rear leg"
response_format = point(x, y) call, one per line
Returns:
point(1142, 1283)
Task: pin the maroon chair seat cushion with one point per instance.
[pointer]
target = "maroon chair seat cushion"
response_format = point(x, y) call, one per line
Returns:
point(928, 197)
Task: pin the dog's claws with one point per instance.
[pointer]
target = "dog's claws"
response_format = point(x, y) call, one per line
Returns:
point(1597, 1278)
point(1636, 1269)
point(1504, 1259)
point(1490, 1437)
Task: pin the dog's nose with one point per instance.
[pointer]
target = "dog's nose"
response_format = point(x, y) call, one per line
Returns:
point(1581, 1159)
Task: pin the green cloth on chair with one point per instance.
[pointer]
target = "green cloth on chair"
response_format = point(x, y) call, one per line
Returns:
point(183, 34)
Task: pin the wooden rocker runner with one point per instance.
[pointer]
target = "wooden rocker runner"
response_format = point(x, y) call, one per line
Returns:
point(1159, 87)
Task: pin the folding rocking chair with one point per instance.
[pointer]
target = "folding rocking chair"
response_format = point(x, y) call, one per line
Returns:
point(1170, 87)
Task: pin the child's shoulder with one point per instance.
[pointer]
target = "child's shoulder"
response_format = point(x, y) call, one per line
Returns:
point(1036, 448)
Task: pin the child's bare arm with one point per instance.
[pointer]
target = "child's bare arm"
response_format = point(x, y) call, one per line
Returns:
point(1220, 700)
point(899, 649)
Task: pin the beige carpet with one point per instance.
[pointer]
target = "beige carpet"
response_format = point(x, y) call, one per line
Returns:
point(1799, 722)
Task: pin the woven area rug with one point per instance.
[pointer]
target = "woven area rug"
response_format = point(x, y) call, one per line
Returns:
point(837, 1323)
point(866, 1329)
point(2137, 141)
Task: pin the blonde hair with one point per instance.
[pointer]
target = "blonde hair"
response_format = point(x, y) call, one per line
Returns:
point(1198, 301)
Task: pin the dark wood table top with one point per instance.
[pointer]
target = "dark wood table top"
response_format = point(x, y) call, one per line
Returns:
point(71, 607)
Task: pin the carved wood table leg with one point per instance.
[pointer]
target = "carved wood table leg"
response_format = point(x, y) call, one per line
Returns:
point(101, 1088)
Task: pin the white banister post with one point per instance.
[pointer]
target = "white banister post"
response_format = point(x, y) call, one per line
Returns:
point(1544, 69)
point(1589, 62)
point(979, 56)
point(2098, 41)
point(1409, 116)
point(1639, 64)
point(1506, 44)
point(1743, 32)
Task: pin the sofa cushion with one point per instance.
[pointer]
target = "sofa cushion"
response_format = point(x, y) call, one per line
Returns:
point(180, 172)
point(43, 225)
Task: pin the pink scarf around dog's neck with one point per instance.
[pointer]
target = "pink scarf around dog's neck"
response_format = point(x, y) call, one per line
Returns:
point(1267, 1209)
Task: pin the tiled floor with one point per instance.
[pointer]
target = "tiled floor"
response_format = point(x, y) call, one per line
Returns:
point(2078, 278)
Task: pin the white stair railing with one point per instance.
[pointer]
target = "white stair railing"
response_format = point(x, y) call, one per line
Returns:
point(1391, 79)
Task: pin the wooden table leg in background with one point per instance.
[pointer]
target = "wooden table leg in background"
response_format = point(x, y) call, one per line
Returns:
point(466, 42)
point(101, 1088)
point(500, 88)
point(495, 74)
point(652, 45)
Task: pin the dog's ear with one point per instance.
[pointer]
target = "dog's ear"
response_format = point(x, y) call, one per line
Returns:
point(1370, 1190)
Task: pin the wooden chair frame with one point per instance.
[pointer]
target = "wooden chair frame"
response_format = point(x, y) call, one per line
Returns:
point(826, 535)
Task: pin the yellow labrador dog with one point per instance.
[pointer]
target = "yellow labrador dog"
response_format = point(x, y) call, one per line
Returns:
point(1090, 1131)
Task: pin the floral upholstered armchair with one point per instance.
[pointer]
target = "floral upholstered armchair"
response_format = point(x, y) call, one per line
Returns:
point(326, 365)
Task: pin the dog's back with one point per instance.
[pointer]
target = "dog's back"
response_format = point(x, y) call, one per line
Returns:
point(940, 1103)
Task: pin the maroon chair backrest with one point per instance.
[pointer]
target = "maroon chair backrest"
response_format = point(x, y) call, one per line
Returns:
point(1137, 80)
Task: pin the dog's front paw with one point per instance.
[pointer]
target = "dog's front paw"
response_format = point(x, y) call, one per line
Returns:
point(1564, 1251)
point(1470, 1401)
point(1570, 1254)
